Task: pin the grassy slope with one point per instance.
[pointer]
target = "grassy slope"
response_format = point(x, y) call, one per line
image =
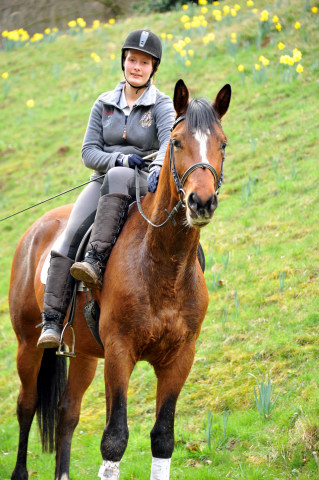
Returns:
point(266, 224)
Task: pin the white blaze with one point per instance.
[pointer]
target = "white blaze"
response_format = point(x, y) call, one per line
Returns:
point(202, 140)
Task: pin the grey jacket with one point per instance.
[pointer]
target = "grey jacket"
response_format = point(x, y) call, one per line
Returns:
point(147, 129)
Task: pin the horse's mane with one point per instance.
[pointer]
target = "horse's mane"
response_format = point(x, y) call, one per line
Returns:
point(200, 115)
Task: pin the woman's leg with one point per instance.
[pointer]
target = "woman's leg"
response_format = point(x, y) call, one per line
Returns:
point(116, 192)
point(59, 285)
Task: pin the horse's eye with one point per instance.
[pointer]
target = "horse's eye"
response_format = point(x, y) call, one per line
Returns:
point(223, 146)
point(177, 143)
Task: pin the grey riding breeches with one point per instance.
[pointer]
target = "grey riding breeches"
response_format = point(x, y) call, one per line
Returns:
point(117, 180)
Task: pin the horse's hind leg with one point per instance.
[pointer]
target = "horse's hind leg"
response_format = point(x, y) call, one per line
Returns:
point(28, 365)
point(170, 382)
point(81, 373)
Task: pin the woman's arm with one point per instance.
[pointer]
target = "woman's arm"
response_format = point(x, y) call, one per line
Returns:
point(164, 119)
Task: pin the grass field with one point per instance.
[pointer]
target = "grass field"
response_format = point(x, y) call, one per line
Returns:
point(261, 249)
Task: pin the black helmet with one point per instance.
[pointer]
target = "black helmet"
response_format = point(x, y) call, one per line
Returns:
point(144, 41)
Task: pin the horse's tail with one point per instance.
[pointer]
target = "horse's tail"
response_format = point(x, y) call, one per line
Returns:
point(51, 384)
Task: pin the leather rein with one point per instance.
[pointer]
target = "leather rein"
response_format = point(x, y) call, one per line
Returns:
point(179, 182)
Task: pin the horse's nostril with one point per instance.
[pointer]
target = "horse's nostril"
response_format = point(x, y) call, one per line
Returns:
point(200, 207)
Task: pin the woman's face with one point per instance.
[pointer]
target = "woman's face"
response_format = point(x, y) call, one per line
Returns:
point(138, 67)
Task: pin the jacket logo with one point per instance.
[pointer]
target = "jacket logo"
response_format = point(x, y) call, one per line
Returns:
point(107, 112)
point(147, 120)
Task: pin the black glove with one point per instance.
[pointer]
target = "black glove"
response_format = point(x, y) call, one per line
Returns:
point(133, 160)
point(152, 179)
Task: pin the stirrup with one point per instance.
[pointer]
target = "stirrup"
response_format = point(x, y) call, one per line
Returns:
point(64, 353)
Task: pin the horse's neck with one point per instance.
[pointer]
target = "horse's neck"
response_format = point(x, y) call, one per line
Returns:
point(177, 243)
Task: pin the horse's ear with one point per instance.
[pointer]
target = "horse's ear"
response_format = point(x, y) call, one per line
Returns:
point(222, 100)
point(181, 97)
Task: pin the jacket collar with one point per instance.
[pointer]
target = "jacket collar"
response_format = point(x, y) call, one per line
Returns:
point(147, 98)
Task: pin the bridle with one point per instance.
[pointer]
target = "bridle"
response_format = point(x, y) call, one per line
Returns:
point(179, 182)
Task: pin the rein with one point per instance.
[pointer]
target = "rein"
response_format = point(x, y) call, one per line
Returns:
point(179, 182)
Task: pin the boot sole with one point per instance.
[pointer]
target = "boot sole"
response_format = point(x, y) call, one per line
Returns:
point(48, 342)
point(83, 274)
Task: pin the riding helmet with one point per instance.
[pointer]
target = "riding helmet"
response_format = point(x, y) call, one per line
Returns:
point(144, 41)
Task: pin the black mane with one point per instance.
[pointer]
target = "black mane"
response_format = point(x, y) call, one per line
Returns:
point(200, 115)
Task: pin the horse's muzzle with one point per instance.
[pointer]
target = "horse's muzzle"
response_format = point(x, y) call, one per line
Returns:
point(199, 211)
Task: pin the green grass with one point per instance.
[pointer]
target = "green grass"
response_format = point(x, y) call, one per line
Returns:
point(261, 249)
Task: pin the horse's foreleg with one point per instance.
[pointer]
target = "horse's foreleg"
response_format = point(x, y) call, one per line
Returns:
point(81, 373)
point(118, 369)
point(28, 365)
point(170, 382)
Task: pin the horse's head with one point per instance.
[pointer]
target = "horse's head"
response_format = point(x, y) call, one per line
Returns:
point(198, 147)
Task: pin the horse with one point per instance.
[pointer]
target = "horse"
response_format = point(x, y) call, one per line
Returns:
point(152, 304)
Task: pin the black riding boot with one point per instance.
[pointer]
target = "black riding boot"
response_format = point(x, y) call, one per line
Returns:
point(57, 296)
point(109, 220)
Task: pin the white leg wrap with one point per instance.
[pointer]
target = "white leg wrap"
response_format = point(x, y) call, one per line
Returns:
point(160, 468)
point(109, 470)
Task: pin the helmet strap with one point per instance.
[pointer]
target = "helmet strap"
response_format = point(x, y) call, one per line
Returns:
point(138, 88)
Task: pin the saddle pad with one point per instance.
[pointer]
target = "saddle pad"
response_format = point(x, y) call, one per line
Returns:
point(45, 268)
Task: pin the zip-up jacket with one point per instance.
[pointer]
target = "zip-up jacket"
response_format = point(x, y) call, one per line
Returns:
point(110, 132)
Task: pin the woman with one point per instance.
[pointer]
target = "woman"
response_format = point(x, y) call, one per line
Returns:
point(126, 124)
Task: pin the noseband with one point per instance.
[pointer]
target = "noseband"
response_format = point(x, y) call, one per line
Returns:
point(179, 182)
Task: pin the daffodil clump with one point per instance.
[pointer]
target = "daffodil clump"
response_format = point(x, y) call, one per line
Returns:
point(291, 63)
point(184, 53)
point(18, 38)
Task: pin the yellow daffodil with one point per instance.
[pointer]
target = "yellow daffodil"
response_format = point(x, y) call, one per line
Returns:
point(275, 19)
point(187, 40)
point(169, 36)
point(264, 16)
point(187, 25)
point(314, 9)
point(204, 10)
point(218, 18)
point(264, 60)
point(188, 63)
point(112, 21)
point(190, 52)
point(233, 12)
point(257, 66)
point(202, 2)
point(281, 46)
point(72, 23)
point(237, 7)
point(47, 31)
point(5, 75)
point(250, 3)
point(226, 10)
point(299, 68)
point(4, 33)
point(278, 27)
point(241, 67)
point(205, 40)
point(112, 56)
point(30, 103)
point(37, 37)
point(184, 7)
point(297, 55)
point(183, 53)
point(297, 25)
point(163, 36)
point(185, 18)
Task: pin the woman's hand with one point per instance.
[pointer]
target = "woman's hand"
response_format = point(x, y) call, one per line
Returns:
point(152, 179)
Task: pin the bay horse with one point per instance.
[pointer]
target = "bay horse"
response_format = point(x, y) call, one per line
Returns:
point(152, 303)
